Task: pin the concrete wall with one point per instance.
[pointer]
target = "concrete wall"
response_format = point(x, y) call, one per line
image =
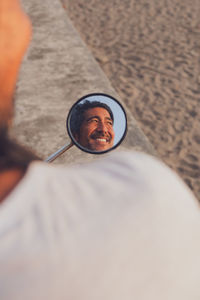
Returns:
point(57, 70)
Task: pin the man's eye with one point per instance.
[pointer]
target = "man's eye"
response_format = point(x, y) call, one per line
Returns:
point(110, 123)
point(93, 120)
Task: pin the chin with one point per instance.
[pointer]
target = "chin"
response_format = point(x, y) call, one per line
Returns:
point(101, 148)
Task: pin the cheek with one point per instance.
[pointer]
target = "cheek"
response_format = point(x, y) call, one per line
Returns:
point(86, 131)
point(90, 128)
point(112, 132)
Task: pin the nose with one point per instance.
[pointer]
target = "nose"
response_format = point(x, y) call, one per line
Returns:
point(102, 127)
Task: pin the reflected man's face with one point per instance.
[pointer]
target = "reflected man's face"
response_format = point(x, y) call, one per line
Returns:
point(96, 131)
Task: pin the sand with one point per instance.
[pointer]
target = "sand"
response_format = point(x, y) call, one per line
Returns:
point(150, 51)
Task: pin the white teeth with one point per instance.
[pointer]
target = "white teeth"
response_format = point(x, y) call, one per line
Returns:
point(101, 140)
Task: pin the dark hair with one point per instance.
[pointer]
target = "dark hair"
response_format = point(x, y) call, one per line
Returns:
point(77, 115)
point(12, 155)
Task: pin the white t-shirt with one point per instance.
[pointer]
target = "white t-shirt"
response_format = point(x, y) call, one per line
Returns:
point(124, 227)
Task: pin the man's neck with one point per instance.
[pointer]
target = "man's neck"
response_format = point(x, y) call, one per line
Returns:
point(8, 181)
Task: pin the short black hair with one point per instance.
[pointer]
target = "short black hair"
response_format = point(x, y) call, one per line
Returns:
point(13, 155)
point(77, 115)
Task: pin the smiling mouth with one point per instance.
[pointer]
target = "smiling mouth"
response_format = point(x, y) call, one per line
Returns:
point(102, 139)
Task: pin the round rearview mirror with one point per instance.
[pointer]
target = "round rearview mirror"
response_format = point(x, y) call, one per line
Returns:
point(97, 123)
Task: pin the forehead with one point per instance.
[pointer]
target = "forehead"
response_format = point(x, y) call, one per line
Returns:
point(97, 111)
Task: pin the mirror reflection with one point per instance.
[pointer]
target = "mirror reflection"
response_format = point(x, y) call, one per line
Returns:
point(97, 123)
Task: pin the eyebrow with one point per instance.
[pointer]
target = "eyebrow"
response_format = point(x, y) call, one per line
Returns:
point(97, 117)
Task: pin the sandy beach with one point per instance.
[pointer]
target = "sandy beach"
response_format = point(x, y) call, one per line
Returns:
point(150, 51)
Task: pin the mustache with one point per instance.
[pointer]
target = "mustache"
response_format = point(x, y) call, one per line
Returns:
point(108, 137)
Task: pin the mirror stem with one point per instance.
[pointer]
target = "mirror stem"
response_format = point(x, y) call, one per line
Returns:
point(53, 156)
